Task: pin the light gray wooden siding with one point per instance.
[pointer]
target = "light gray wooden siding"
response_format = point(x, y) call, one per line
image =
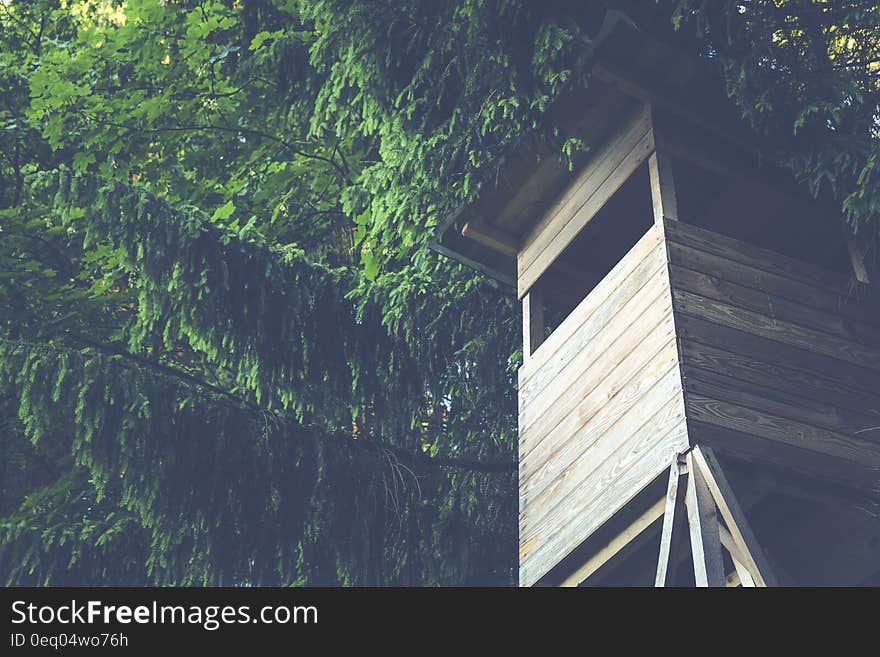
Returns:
point(609, 168)
point(780, 360)
point(601, 408)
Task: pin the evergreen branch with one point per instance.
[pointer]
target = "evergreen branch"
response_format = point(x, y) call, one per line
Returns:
point(163, 368)
point(236, 130)
point(372, 444)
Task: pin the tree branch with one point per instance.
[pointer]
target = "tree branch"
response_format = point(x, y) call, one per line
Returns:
point(371, 444)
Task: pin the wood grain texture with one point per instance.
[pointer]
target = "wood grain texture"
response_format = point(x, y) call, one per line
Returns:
point(846, 307)
point(624, 280)
point(747, 554)
point(766, 425)
point(597, 397)
point(774, 329)
point(570, 467)
point(540, 411)
point(763, 260)
point(779, 365)
point(756, 449)
point(642, 459)
point(558, 504)
point(775, 353)
point(812, 387)
point(756, 299)
point(694, 338)
point(670, 504)
point(703, 525)
point(772, 399)
point(604, 398)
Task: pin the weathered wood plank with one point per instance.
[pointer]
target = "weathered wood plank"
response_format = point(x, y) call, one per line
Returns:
point(597, 168)
point(619, 480)
point(615, 545)
point(762, 259)
point(565, 494)
point(811, 386)
point(617, 382)
point(545, 174)
point(776, 353)
point(790, 432)
point(844, 306)
point(599, 184)
point(641, 313)
point(670, 504)
point(767, 451)
point(778, 402)
point(495, 239)
point(662, 187)
point(599, 360)
point(704, 529)
point(777, 308)
point(774, 329)
point(548, 475)
point(629, 275)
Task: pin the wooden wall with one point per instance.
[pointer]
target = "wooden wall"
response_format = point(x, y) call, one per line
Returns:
point(780, 359)
point(694, 338)
point(601, 408)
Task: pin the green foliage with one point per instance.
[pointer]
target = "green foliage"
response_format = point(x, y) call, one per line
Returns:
point(243, 394)
point(808, 70)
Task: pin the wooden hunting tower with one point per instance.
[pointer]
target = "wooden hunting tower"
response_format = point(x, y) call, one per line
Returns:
point(701, 375)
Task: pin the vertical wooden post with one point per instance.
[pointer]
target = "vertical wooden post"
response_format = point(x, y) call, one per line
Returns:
point(533, 323)
point(704, 529)
point(662, 187)
point(671, 524)
point(697, 476)
point(750, 551)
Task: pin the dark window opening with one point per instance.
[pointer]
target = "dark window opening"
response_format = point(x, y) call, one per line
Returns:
point(771, 213)
point(603, 242)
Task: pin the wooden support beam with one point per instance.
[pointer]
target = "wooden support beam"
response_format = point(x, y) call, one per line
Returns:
point(533, 323)
point(745, 577)
point(616, 544)
point(720, 490)
point(671, 502)
point(704, 529)
point(729, 544)
point(724, 158)
point(662, 187)
point(497, 240)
